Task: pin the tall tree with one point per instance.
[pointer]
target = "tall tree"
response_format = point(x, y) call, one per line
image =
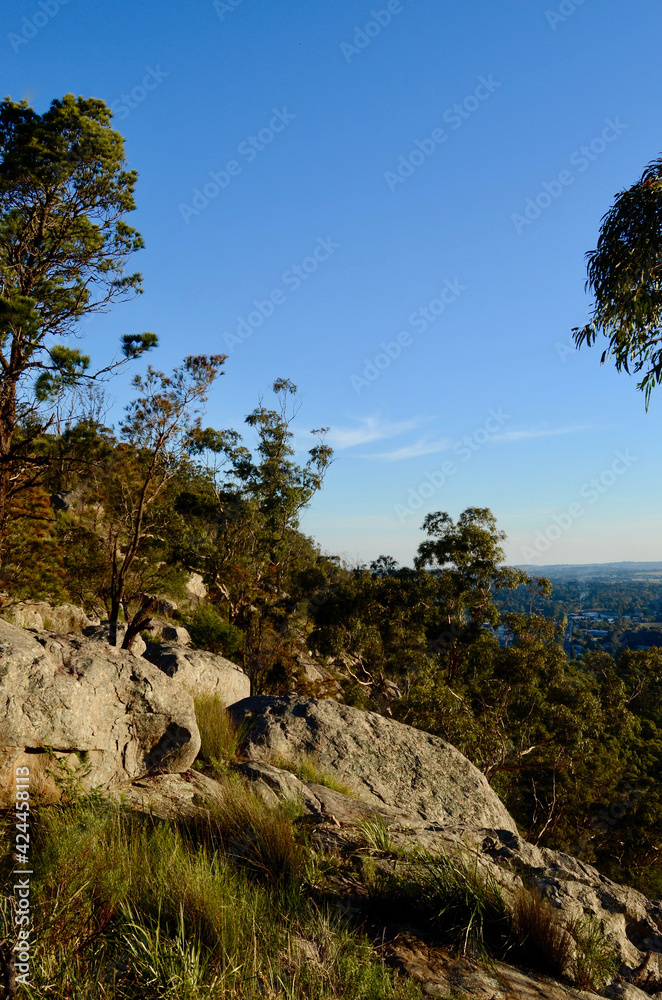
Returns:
point(625, 278)
point(64, 247)
point(162, 428)
point(466, 558)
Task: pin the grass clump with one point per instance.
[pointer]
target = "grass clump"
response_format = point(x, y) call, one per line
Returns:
point(220, 736)
point(452, 896)
point(377, 836)
point(596, 961)
point(307, 769)
point(543, 938)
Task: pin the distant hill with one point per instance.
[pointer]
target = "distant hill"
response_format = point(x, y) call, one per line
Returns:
point(621, 571)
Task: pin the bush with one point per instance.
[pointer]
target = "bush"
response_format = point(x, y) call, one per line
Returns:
point(209, 630)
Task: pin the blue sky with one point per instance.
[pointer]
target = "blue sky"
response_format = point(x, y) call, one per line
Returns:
point(349, 184)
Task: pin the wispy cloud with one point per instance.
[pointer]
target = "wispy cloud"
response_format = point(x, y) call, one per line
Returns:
point(369, 429)
point(538, 432)
point(416, 450)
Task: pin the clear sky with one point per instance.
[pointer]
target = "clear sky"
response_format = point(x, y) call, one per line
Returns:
point(393, 200)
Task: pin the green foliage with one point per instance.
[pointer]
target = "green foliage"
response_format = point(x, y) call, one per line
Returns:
point(596, 961)
point(64, 249)
point(624, 276)
point(209, 630)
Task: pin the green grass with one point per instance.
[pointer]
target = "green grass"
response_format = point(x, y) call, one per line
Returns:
point(130, 907)
point(220, 737)
point(451, 896)
point(308, 770)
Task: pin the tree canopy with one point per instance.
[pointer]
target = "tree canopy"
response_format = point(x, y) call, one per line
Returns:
point(625, 278)
point(64, 250)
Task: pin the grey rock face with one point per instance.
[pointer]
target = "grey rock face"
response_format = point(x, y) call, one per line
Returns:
point(40, 615)
point(120, 714)
point(200, 672)
point(102, 633)
point(385, 762)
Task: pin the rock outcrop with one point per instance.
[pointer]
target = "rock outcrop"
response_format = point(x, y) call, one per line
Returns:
point(385, 762)
point(40, 615)
point(200, 672)
point(110, 715)
point(431, 797)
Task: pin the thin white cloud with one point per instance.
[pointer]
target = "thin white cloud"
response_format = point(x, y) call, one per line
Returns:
point(369, 429)
point(416, 450)
point(538, 432)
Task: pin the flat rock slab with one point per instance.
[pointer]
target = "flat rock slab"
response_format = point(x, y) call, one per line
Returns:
point(385, 763)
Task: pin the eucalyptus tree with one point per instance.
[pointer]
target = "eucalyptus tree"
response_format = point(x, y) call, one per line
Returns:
point(625, 278)
point(64, 248)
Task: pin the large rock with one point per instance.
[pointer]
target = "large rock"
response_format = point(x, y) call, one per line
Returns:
point(104, 632)
point(200, 672)
point(112, 716)
point(40, 615)
point(384, 762)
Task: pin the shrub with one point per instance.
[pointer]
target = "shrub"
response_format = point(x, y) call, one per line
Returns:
point(210, 631)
